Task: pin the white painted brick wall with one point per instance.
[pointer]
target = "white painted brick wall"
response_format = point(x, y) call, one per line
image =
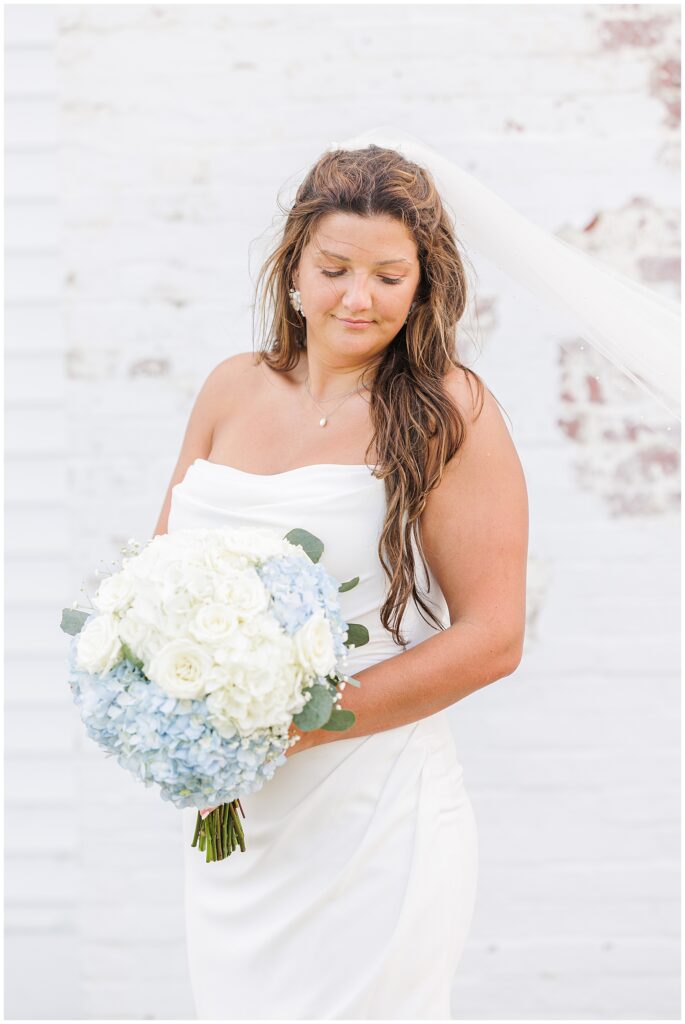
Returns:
point(145, 146)
point(43, 856)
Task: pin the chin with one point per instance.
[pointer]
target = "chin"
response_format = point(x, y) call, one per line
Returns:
point(359, 341)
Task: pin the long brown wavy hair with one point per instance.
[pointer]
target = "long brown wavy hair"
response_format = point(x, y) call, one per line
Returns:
point(417, 427)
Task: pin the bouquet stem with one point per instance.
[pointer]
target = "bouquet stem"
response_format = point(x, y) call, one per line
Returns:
point(220, 832)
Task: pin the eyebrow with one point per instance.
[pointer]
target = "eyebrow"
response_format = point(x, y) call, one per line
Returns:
point(344, 259)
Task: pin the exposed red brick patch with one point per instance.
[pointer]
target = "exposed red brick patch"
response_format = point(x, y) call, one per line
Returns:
point(641, 240)
point(571, 427)
point(594, 389)
point(665, 461)
point(657, 35)
point(641, 31)
point(659, 268)
point(665, 86)
point(627, 446)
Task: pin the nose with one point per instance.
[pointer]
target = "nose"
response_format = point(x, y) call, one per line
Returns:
point(357, 297)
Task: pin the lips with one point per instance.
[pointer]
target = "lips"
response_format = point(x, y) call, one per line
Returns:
point(345, 320)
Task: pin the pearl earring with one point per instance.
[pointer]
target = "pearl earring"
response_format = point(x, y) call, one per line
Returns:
point(296, 300)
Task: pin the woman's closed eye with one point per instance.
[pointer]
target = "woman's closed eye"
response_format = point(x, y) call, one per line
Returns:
point(337, 273)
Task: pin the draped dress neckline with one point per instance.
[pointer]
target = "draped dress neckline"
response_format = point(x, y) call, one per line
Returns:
point(297, 469)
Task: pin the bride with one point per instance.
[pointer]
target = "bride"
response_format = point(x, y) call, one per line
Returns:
point(357, 421)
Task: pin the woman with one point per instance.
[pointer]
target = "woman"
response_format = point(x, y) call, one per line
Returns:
point(357, 422)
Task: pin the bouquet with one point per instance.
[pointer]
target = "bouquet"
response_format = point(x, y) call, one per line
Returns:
point(200, 652)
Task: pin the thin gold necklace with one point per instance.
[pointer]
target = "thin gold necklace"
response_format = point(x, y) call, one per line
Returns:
point(326, 416)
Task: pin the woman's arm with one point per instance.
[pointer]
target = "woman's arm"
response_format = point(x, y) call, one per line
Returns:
point(474, 531)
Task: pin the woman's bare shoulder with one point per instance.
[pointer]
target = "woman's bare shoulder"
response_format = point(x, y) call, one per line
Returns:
point(468, 392)
point(236, 366)
point(249, 371)
point(227, 375)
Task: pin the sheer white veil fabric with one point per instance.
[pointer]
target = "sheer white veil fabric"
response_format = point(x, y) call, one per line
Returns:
point(636, 329)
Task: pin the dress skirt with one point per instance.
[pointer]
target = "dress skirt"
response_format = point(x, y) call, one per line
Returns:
point(355, 894)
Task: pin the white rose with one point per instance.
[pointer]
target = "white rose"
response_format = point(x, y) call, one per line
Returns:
point(213, 624)
point(314, 645)
point(244, 593)
point(115, 593)
point(180, 668)
point(98, 646)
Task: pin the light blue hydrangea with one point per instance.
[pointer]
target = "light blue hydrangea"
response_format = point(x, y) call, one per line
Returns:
point(300, 588)
point(167, 741)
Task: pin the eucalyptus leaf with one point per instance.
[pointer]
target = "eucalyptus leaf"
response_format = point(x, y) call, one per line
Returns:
point(340, 720)
point(313, 547)
point(130, 656)
point(317, 709)
point(72, 621)
point(349, 585)
point(356, 634)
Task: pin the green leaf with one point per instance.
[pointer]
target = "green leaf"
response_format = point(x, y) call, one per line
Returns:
point(356, 634)
point(349, 585)
point(128, 654)
point(316, 711)
point(340, 720)
point(311, 544)
point(72, 621)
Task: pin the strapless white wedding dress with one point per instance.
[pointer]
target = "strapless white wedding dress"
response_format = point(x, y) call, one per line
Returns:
point(355, 895)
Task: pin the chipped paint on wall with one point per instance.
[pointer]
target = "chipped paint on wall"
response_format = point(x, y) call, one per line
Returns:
point(149, 368)
point(628, 446)
point(656, 31)
point(639, 239)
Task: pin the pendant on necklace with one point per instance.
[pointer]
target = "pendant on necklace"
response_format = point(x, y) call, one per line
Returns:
point(323, 421)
